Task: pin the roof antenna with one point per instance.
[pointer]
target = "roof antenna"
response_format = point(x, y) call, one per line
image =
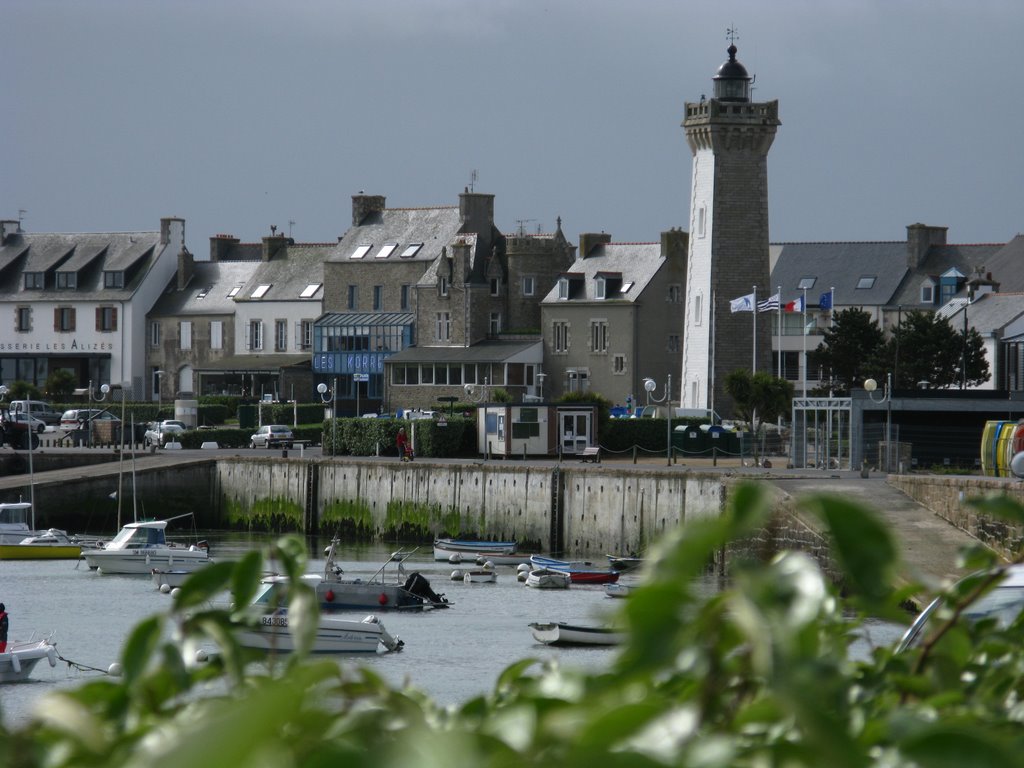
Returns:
point(472, 179)
point(522, 225)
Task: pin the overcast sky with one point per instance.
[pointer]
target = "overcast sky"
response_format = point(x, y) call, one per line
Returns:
point(240, 115)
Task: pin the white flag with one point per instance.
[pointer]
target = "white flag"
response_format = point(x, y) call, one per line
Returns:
point(742, 304)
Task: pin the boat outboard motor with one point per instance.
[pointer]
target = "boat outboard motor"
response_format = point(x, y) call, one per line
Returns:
point(418, 585)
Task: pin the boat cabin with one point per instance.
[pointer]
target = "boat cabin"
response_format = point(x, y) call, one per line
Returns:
point(140, 536)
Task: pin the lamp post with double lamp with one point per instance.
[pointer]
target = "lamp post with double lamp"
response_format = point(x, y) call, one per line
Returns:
point(871, 385)
point(650, 386)
point(104, 390)
point(332, 398)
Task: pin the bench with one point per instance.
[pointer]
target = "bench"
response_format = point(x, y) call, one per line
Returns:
point(591, 453)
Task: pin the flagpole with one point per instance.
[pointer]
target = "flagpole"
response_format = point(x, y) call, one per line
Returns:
point(713, 330)
point(832, 307)
point(755, 329)
point(778, 311)
point(804, 307)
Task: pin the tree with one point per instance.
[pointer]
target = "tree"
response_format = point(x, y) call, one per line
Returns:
point(849, 348)
point(60, 384)
point(933, 355)
point(758, 398)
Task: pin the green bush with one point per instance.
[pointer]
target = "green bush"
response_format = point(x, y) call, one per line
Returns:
point(758, 674)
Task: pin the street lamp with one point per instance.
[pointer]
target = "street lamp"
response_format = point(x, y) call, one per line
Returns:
point(650, 386)
point(331, 397)
point(104, 390)
point(871, 385)
point(159, 392)
point(475, 395)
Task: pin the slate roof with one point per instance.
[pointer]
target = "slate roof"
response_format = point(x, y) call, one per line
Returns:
point(255, 363)
point(215, 279)
point(288, 275)
point(990, 312)
point(89, 254)
point(940, 258)
point(1007, 265)
point(636, 263)
point(434, 227)
point(839, 266)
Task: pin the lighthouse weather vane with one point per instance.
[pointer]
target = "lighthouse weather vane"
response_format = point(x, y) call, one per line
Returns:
point(732, 33)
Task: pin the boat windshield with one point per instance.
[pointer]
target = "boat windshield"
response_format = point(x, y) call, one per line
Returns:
point(16, 514)
point(138, 538)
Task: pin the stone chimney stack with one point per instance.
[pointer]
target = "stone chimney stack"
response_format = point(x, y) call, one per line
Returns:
point(477, 212)
point(221, 246)
point(365, 205)
point(590, 240)
point(274, 245)
point(921, 237)
point(674, 243)
point(186, 266)
point(9, 227)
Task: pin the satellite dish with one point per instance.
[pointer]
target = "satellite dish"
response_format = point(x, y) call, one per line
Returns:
point(1017, 465)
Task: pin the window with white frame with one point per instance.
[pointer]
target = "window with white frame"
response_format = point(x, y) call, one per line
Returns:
point(305, 334)
point(528, 285)
point(600, 288)
point(577, 380)
point(154, 333)
point(33, 280)
point(599, 336)
point(494, 327)
point(67, 280)
point(255, 339)
point(216, 334)
point(927, 293)
point(443, 329)
point(619, 364)
point(113, 279)
point(185, 334)
point(280, 335)
point(560, 337)
point(563, 288)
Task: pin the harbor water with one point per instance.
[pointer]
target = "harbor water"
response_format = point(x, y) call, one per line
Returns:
point(452, 654)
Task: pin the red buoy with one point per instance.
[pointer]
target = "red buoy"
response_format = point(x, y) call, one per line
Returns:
point(330, 596)
point(383, 599)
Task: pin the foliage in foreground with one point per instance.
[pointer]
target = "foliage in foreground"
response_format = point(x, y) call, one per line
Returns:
point(759, 674)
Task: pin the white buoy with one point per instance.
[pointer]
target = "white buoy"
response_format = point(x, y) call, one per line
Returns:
point(165, 589)
point(521, 576)
point(523, 568)
point(99, 571)
point(114, 670)
point(480, 560)
point(15, 662)
point(175, 591)
point(454, 558)
point(456, 575)
point(201, 656)
point(488, 565)
point(51, 656)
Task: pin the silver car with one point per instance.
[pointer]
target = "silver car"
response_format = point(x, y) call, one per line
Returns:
point(272, 436)
point(162, 432)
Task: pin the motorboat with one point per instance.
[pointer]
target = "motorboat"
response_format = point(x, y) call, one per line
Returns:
point(484, 575)
point(334, 634)
point(142, 546)
point(561, 633)
point(624, 563)
point(336, 592)
point(471, 549)
point(21, 657)
point(546, 578)
point(14, 519)
point(581, 572)
point(51, 544)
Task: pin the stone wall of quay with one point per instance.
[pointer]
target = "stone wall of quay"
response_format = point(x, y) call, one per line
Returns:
point(948, 497)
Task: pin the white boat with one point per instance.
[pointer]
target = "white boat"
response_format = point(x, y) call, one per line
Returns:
point(21, 657)
point(171, 578)
point(561, 633)
point(51, 544)
point(470, 550)
point(479, 558)
point(333, 635)
point(485, 575)
point(617, 590)
point(14, 517)
point(140, 547)
point(545, 578)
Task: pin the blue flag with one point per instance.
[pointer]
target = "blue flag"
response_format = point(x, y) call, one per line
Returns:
point(825, 302)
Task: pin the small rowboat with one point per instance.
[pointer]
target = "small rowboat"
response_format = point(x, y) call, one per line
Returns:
point(21, 657)
point(617, 590)
point(546, 578)
point(470, 545)
point(333, 635)
point(579, 571)
point(560, 633)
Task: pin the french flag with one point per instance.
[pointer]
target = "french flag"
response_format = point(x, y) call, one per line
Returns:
point(795, 306)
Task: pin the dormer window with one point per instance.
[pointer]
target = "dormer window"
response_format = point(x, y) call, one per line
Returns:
point(563, 288)
point(113, 279)
point(927, 293)
point(607, 284)
point(34, 281)
point(600, 286)
point(806, 283)
point(67, 281)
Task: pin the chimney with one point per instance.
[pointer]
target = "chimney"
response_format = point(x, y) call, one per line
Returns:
point(9, 227)
point(186, 266)
point(921, 237)
point(275, 245)
point(365, 205)
point(590, 240)
point(477, 212)
point(167, 225)
point(674, 243)
point(221, 246)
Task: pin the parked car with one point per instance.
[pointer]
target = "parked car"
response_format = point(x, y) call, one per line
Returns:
point(1002, 602)
point(272, 436)
point(79, 418)
point(162, 432)
point(37, 408)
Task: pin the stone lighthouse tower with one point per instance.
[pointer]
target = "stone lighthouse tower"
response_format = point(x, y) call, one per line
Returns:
point(730, 136)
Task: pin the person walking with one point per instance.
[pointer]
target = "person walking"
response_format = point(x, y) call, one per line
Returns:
point(3, 628)
point(402, 443)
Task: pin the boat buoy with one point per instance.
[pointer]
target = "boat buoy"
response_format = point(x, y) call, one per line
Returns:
point(329, 597)
point(456, 574)
point(201, 656)
point(99, 571)
point(521, 576)
point(523, 568)
point(15, 662)
point(480, 560)
point(455, 558)
point(51, 656)
point(165, 589)
point(175, 591)
point(114, 670)
point(488, 565)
